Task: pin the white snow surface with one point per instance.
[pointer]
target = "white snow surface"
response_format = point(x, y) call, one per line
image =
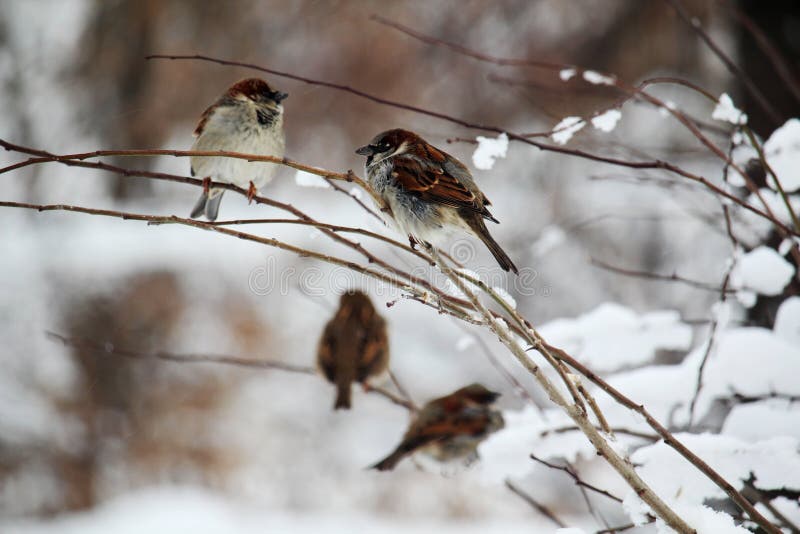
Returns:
point(198, 511)
point(489, 149)
point(782, 151)
point(566, 74)
point(306, 179)
point(771, 417)
point(597, 78)
point(726, 111)
point(787, 320)
point(763, 270)
point(747, 361)
point(607, 121)
point(612, 337)
point(774, 461)
point(565, 129)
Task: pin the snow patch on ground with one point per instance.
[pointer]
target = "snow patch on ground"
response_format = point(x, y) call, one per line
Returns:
point(612, 336)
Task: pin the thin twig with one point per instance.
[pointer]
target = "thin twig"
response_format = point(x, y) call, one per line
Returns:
point(535, 505)
point(661, 277)
point(656, 164)
point(749, 84)
point(252, 363)
point(578, 480)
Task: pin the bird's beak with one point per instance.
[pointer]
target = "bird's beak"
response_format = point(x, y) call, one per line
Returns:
point(278, 96)
point(365, 151)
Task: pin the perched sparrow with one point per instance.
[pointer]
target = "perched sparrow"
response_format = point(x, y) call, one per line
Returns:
point(354, 346)
point(248, 118)
point(449, 427)
point(428, 190)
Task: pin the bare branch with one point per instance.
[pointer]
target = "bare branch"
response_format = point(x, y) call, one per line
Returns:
point(535, 505)
point(251, 363)
point(578, 480)
point(661, 277)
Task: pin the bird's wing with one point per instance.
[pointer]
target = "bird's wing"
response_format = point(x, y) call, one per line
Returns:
point(325, 353)
point(429, 179)
point(373, 350)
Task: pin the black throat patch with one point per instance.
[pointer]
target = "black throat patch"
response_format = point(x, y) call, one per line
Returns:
point(266, 117)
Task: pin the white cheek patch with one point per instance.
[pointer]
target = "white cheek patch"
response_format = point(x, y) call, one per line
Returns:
point(402, 149)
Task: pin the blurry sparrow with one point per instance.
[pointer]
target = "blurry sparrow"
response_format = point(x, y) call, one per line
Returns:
point(450, 427)
point(428, 191)
point(354, 346)
point(248, 118)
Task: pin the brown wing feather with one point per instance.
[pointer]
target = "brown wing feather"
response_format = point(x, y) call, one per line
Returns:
point(434, 184)
point(325, 353)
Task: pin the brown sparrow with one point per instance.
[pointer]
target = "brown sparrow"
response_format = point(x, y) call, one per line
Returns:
point(449, 427)
point(354, 346)
point(248, 118)
point(428, 191)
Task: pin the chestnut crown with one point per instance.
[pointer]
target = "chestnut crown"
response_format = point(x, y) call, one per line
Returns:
point(256, 90)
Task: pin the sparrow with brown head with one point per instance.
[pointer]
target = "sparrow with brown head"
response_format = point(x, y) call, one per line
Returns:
point(354, 346)
point(450, 427)
point(429, 192)
point(248, 118)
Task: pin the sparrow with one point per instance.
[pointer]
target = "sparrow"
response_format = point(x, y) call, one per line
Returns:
point(428, 191)
point(450, 427)
point(248, 118)
point(354, 346)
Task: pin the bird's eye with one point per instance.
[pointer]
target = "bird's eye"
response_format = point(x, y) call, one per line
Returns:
point(384, 146)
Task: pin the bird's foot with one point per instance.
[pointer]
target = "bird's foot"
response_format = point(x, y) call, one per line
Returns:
point(206, 185)
point(251, 193)
point(412, 242)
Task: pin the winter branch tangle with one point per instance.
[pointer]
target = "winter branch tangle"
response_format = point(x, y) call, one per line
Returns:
point(475, 302)
point(507, 324)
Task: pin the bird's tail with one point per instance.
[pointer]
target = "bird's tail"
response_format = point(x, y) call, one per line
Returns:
point(208, 204)
point(477, 225)
point(342, 395)
point(389, 463)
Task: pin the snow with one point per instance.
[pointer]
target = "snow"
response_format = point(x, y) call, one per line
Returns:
point(747, 298)
point(787, 320)
point(703, 519)
point(607, 121)
point(787, 244)
point(612, 336)
point(566, 74)
point(596, 78)
point(306, 179)
point(782, 151)
point(549, 238)
point(763, 270)
point(464, 343)
point(730, 369)
point(489, 149)
point(199, 511)
point(771, 417)
point(725, 111)
point(774, 462)
point(356, 193)
point(565, 129)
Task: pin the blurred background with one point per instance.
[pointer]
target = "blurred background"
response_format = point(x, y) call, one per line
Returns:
point(79, 430)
